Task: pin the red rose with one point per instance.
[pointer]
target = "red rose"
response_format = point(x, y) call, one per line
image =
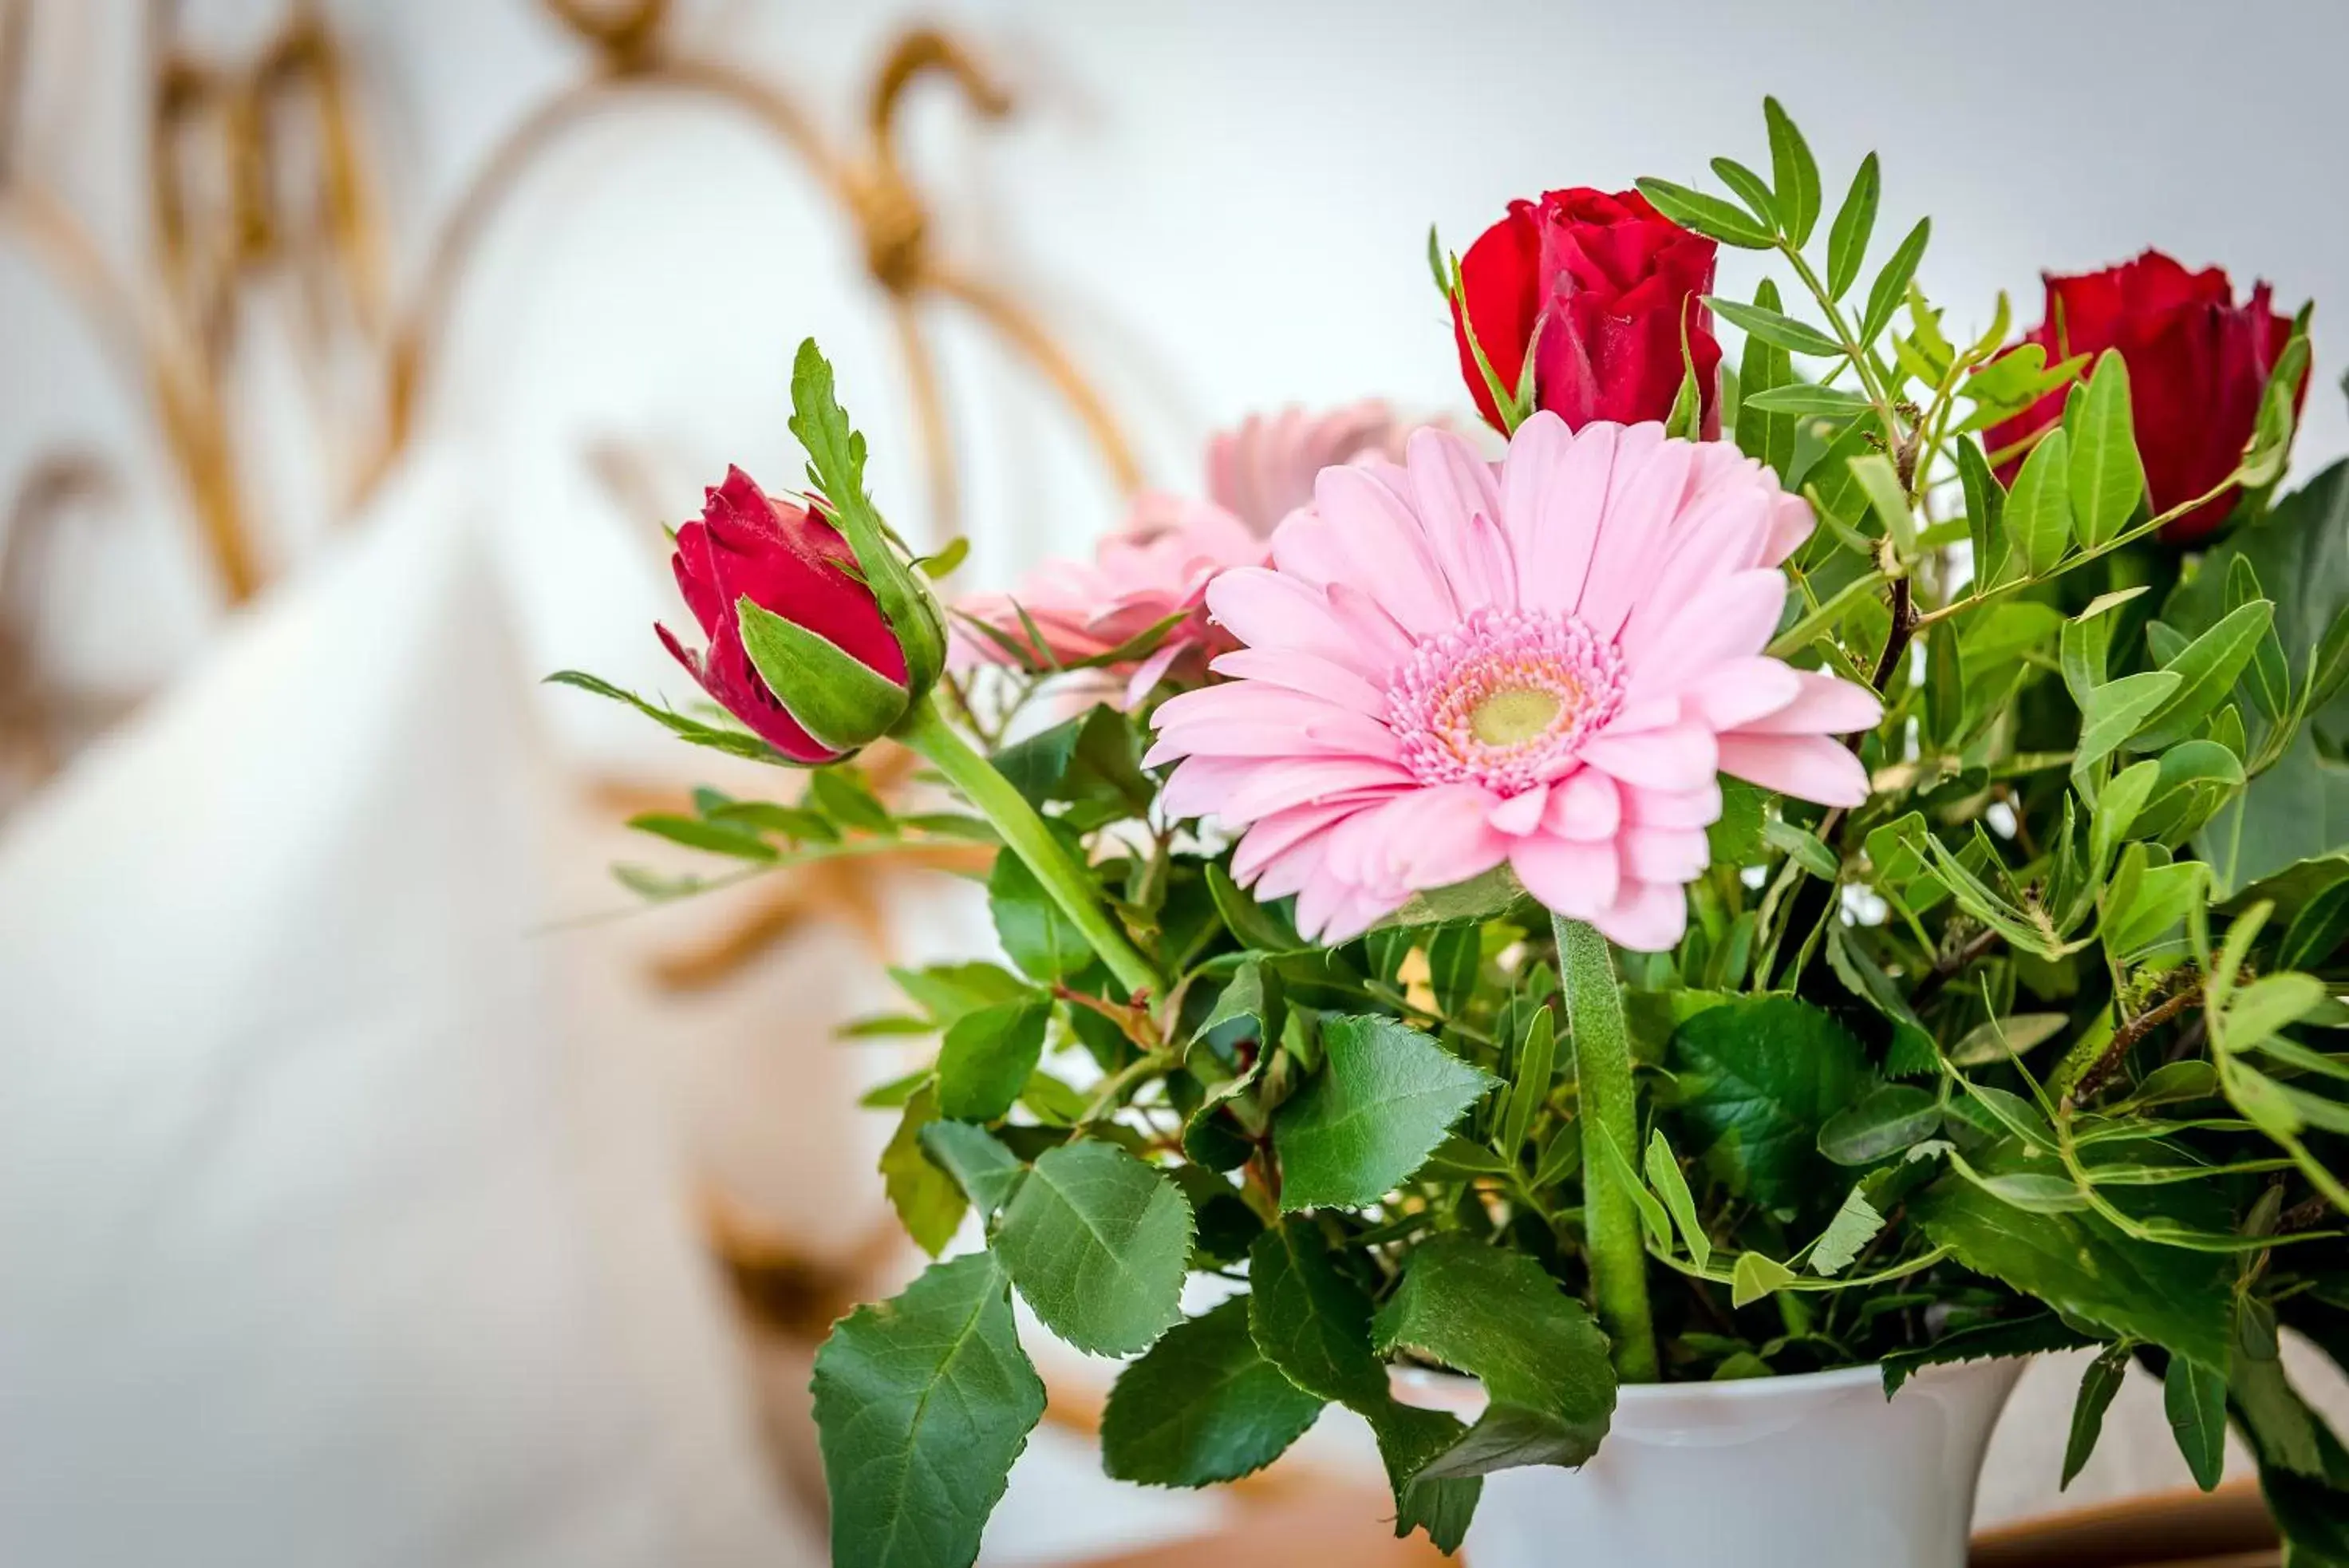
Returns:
point(790, 562)
point(2198, 363)
point(1611, 282)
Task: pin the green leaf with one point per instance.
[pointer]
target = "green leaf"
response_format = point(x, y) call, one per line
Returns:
point(2082, 1268)
point(1996, 1039)
point(929, 1202)
point(844, 796)
point(717, 738)
point(1535, 1067)
point(1754, 1276)
point(1782, 331)
point(1257, 927)
point(1034, 930)
point(2195, 1399)
point(2118, 710)
point(2297, 810)
point(1854, 1226)
point(1984, 1341)
point(1913, 1050)
point(1090, 763)
point(1854, 221)
point(1664, 1175)
point(2039, 507)
point(1253, 994)
point(947, 991)
point(922, 1403)
point(1794, 174)
point(2259, 1009)
point(1887, 1121)
point(1202, 1406)
point(1497, 1316)
point(718, 837)
point(2107, 480)
point(986, 1057)
point(1760, 1077)
point(1985, 511)
point(1751, 188)
point(2145, 903)
point(835, 694)
point(1803, 847)
point(1098, 1244)
point(1707, 215)
point(2208, 669)
point(2098, 1384)
point(836, 457)
point(2318, 930)
point(1385, 1096)
point(1803, 398)
point(1409, 1440)
point(1891, 285)
point(1766, 432)
point(2197, 778)
point(1310, 1320)
point(980, 1165)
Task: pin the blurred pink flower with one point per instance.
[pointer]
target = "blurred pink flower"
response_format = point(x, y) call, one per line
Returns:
point(1159, 562)
point(1451, 663)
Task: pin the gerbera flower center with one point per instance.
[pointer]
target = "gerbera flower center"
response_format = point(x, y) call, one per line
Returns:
point(1505, 699)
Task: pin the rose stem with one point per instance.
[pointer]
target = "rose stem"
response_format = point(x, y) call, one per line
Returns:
point(1610, 1220)
point(925, 730)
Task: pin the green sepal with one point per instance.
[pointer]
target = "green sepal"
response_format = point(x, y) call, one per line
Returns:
point(837, 698)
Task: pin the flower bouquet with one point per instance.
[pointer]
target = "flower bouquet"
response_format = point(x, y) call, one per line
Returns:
point(1748, 878)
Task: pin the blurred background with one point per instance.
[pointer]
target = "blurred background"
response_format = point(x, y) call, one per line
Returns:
point(377, 1184)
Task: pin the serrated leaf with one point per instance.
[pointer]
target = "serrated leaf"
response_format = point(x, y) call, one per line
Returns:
point(1497, 1316)
point(1202, 1406)
point(1854, 221)
point(1310, 1320)
point(929, 1202)
point(2098, 1384)
point(1097, 1243)
point(1760, 1077)
point(922, 1403)
point(1384, 1099)
point(947, 991)
point(1042, 940)
point(1854, 1225)
point(2107, 479)
point(986, 1057)
point(1985, 1341)
point(1794, 174)
point(976, 1159)
point(2083, 1269)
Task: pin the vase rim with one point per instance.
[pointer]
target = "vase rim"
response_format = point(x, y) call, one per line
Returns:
point(1736, 1389)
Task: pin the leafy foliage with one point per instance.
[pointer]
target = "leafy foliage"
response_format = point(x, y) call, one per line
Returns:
point(2036, 1047)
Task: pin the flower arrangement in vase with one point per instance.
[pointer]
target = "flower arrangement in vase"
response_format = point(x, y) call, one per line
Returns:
point(1753, 871)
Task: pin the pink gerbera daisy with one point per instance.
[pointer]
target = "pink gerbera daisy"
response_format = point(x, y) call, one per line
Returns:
point(1160, 561)
point(1546, 662)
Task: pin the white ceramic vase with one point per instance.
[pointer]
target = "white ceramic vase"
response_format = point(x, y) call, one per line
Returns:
point(1811, 1472)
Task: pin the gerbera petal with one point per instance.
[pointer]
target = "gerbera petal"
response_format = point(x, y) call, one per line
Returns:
point(1553, 494)
point(1646, 917)
point(1576, 880)
point(1665, 854)
point(1389, 551)
point(1740, 690)
point(1586, 806)
point(1644, 496)
point(1307, 672)
point(1732, 618)
point(1679, 757)
point(1281, 783)
point(1808, 767)
point(1451, 486)
point(1824, 705)
point(1521, 812)
point(1699, 807)
point(1265, 610)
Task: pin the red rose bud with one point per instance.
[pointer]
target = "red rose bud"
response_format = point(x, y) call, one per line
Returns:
point(798, 647)
point(1601, 288)
point(2198, 364)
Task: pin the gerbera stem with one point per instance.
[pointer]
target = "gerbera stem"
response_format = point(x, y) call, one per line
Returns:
point(1610, 1220)
point(925, 730)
